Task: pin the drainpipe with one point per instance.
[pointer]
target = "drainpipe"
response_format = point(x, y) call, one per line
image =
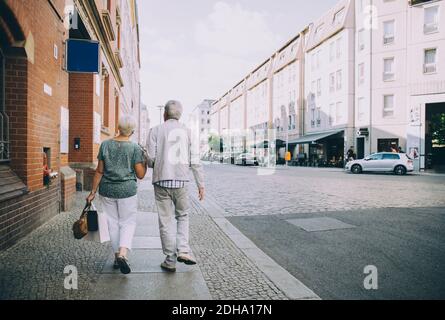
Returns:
point(370, 84)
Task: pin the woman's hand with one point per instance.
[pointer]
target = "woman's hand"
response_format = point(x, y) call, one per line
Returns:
point(91, 197)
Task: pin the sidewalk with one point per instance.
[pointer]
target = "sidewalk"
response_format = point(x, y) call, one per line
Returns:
point(229, 266)
point(147, 281)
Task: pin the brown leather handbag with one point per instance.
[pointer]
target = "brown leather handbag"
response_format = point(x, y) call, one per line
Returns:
point(80, 227)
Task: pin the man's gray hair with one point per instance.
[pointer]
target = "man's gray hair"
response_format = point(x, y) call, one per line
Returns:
point(173, 110)
point(127, 125)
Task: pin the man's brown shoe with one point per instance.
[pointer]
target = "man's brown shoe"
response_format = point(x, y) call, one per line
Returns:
point(187, 259)
point(168, 267)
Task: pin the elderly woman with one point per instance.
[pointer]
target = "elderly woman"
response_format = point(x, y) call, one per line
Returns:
point(121, 162)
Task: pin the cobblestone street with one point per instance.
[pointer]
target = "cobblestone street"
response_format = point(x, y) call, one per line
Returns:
point(293, 190)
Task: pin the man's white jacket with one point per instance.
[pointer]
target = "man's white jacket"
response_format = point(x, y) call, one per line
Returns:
point(172, 155)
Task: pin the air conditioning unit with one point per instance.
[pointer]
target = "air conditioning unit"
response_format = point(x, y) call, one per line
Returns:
point(388, 39)
point(430, 27)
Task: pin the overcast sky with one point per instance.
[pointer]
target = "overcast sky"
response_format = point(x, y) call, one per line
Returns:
point(198, 49)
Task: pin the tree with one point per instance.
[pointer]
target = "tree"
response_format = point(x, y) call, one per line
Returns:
point(215, 144)
point(437, 128)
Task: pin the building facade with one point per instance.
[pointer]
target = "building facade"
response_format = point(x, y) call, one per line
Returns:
point(200, 122)
point(52, 121)
point(329, 85)
point(367, 74)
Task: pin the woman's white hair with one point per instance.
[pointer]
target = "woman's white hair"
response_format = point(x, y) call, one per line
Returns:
point(173, 110)
point(127, 125)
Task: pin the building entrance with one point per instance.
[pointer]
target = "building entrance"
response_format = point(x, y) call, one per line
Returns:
point(435, 137)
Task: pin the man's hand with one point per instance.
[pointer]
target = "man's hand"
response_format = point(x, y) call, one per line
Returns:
point(201, 194)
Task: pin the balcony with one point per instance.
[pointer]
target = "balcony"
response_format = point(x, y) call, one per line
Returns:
point(429, 68)
point(388, 39)
point(388, 76)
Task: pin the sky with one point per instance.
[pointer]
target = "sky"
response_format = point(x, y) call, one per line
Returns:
point(193, 50)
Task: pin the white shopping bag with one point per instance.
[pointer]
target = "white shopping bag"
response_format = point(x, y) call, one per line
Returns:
point(103, 234)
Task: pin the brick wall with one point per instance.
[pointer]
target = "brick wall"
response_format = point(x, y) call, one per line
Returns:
point(68, 191)
point(34, 115)
point(81, 101)
point(16, 97)
point(20, 216)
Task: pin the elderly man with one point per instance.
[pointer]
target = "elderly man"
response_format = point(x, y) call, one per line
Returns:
point(171, 157)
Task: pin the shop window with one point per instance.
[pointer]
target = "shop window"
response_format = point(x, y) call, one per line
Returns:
point(386, 145)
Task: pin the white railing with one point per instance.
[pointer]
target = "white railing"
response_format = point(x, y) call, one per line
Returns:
point(429, 68)
point(430, 27)
point(388, 39)
point(387, 76)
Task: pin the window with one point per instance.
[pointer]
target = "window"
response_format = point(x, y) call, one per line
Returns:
point(313, 62)
point(332, 51)
point(106, 102)
point(431, 23)
point(339, 80)
point(388, 32)
point(331, 113)
point(314, 83)
point(391, 156)
point(332, 82)
point(361, 74)
point(319, 87)
point(339, 44)
point(361, 40)
point(376, 157)
point(388, 106)
point(361, 109)
point(312, 117)
point(338, 17)
point(339, 114)
point(430, 61)
point(388, 69)
point(318, 116)
point(385, 145)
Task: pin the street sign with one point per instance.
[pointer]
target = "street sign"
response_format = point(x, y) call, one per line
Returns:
point(82, 56)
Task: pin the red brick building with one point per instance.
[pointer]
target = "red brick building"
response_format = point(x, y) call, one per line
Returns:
point(46, 111)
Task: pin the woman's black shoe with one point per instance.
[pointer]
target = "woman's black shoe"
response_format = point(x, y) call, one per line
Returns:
point(123, 265)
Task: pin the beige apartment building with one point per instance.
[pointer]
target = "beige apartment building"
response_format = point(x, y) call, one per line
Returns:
point(367, 74)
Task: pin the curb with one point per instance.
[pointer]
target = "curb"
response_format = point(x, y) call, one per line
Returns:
point(293, 288)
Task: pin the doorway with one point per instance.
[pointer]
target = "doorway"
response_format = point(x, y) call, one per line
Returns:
point(4, 123)
point(360, 148)
point(435, 137)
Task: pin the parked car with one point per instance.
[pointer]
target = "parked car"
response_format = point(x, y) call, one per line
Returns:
point(246, 159)
point(398, 163)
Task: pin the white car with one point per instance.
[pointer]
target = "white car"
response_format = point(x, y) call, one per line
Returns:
point(246, 159)
point(398, 163)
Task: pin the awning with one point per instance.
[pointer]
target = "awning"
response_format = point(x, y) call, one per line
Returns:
point(313, 138)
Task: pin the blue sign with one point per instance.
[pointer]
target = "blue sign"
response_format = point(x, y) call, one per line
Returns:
point(82, 56)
